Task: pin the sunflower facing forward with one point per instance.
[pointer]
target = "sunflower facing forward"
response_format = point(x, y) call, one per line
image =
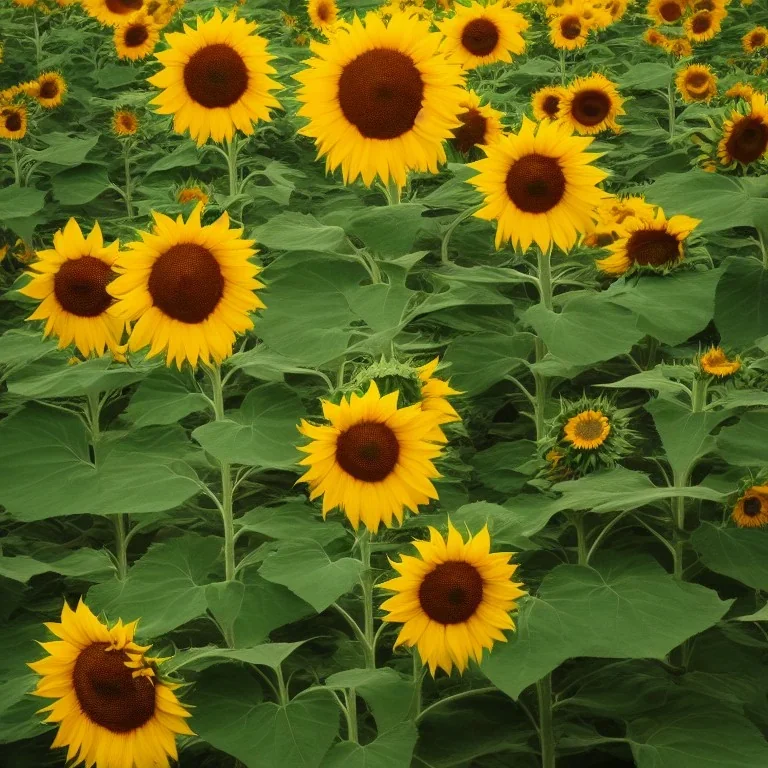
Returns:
point(591, 105)
point(125, 122)
point(112, 12)
point(568, 31)
point(702, 26)
point(322, 14)
point(666, 11)
point(539, 185)
point(754, 39)
point(111, 707)
point(751, 510)
point(744, 137)
point(480, 124)
point(696, 82)
point(380, 99)
point(215, 79)
point(545, 102)
point(137, 37)
point(189, 287)
point(454, 600)
point(13, 122)
point(51, 90)
point(587, 430)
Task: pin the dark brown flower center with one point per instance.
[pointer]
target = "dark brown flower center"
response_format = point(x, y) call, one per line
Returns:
point(591, 107)
point(701, 22)
point(323, 12)
point(136, 35)
point(748, 140)
point(368, 451)
point(550, 105)
point(535, 183)
point(216, 76)
point(124, 7)
point(380, 93)
point(128, 122)
point(589, 429)
point(480, 37)
point(108, 693)
point(49, 89)
point(471, 132)
point(186, 283)
point(653, 247)
point(670, 11)
point(752, 506)
point(570, 27)
point(13, 122)
point(697, 80)
point(704, 5)
point(758, 39)
point(80, 286)
point(451, 593)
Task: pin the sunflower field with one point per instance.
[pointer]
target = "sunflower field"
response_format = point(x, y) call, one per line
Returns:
point(384, 385)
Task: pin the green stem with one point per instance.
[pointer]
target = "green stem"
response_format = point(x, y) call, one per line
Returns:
point(16, 165)
point(282, 689)
point(562, 66)
point(699, 394)
point(465, 214)
point(393, 192)
point(763, 247)
point(678, 519)
point(351, 712)
point(418, 678)
point(121, 545)
point(455, 697)
point(232, 151)
point(653, 345)
point(366, 581)
point(128, 196)
point(546, 731)
point(38, 41)
point(671, 100)
point(581, 538)
point(541, 382)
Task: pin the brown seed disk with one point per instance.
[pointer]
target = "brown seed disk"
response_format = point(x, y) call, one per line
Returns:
point(80, 286)
point(752, 506)
point(589, 430)
point(570, 27)
point(136, 35)
point(49, 89)
point(748, 140)
point(701, 22)
point(670, 11)
point(480, 37)
point(471, 131)
point(535, 183)
point(591, 107)
point(550, 105)
point(368, 451)
point(452, 592)
point(653, 247)
point(216, 76)
point(124, 7)
point(13, 122)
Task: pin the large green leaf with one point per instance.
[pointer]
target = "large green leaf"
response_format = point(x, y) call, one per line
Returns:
point(388, 750)
point(19, 202)
point(741, 302)
point(740, 553)
point(292, 520)
point(80, 185)
point(19, 346)
point(63, 149)
point(744, 444)
point(388, 231)
point(165, 397)
point(84, 563)
point(267, 655)
point(292, 231)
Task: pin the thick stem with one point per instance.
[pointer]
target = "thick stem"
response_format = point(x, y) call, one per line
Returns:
point(562, 66)
point(763, 247)
point(671, 100)
point(418, 679)
point(366, 581)
point(444, 258)
point(699, 394)
point(128, 183)
point(351, 712)
point(121, 546)
point(16, 165)
point(546, 731)
point(232, 150)
point(282, 689)
point(581, 538)
point(541, 382)
point(393, 191)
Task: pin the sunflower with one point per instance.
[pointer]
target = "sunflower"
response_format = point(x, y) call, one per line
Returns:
point(125, 122)
point(591, 105)
point(678, 47)
point(568, 31)
point(696, 82)
point(702, 26)
point(587, 430)
point(380, 99)
point(546, 102)
point(215, 79)
point(137, 37)
point(611, 215)
point(373, 460)
point(111, 706)
point(751, 510)
point(666, 11)
point(754, 39)
point(740, 91)
point(24, 3)
point(616, 9)
point(192, 193)
point(656, 244)
point(434, 397)
point(70, 282)
point(322, 14)
point(652, 36)
point(111, 12)
point(539, 185)
point(190, 287)
point(745, 136)
point(51, 89)
point(453, 600)
point(716, 363)
point(476, 35)
point(480, 124)
point(13, 122)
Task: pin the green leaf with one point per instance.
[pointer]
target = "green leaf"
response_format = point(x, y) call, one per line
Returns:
point(291, 231)
point(744, 443)
point(380, 306)
point(20, 202)
point(267, 655)
point(63, 149)
point(80, 185)
point(18, 710)
point(645, 77)
point(164, 397)
point(184, 156)
point(387, 230)
point(739, 553)
point(18, 347)
point(390, 749)
point(658, 378)
point(290, 521)
point(741, 302)
point(80, 563)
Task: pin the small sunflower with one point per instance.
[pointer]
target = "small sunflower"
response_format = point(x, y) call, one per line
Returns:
point(322, 14)
point(137, 37)
point(546, 102)
point(616, 9)
point(434, 396)
point(740, 91)
point(13, 122)
point(189, 287)
point(289, 22)
point(373, 460)
point(653, 37)
point(702, 26)
point(751, 510)
point(70, 282)
point(568, 31)
point(611, 215)
point(51, 90)
point(657, 244)
point(24, 3)
point(716, 363)
point(696, 82)
point(754, 39)
point(540, 186)
point(591, 105)
point(111, 706)
point(480, 124)
point(215, 79)
point(744, 137)
point(192, 193)
point(125, 122)
point(381, 99)
point(454, 600)
point(666, 11)
point(587, 430)
point(678, 47)
point(111, 12)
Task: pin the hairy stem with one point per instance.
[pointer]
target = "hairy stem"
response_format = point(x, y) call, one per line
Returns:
point(546, 731)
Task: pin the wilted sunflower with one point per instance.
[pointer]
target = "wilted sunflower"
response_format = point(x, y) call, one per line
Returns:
point(652, 36)
point(751, 510)
point(539, 185)
point(656, 244)
point(70, 282)
point(373, 460)
point(189, 287)
point(453, 600)
point(137, 37)
point(13, 122)
point(568, 31)
point(696, 82)
point(322, 14)
point(716, 363)
point(111, 706)
point(740, 91)
point(591, 105)
point(546, 102)
point(480, 124)
point(51, 90)
point(587, 430)
point(192, 193)
point(125, 122)
point(215, 79)
point(754, 39)
point(477, 34)
point(111, 12)
point(381, 99)
point(745, 136)
point(702, 26)
point(666, 11)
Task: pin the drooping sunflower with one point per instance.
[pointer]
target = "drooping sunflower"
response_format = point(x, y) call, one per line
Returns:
point(754, 39)
point(477, 34)
point(215, 79)
point(13, 122)
point(716, 363)
point(434, 396)
point(666, 11)
point(373, 460)
point(678, 47)
point(702, 26)
point(192, 193)
point(125, 122)
point(322, 14)
point(744, 137)
point(657, 244)
point(189, 287)
point(568, 31)
point(137, 37)
point(540, 185)
point(454, 600)
point(751, 510)
point(591, 105)
point(696, 82)
point(70, 282)
point(616, 8)
point(587, 430)
point(112, 707)
point(546, 102)
point(480, 124)
point(740, 91)
point(111, 12)
point(652, 36)
point(611, 215)
point(381, 99)
point(51, 90)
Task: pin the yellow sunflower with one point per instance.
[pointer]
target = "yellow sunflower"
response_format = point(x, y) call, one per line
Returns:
point(546, 102)
point(480, 124)
point(373, 460)
point(381, 99)
point(716, 363)
point(322, 14)
point(70, 282)
point(717, 6)
point(591, 105)
point(539, 185)
point(740, 91)
point(751, 510)
point(111, 12)
point(215, 79)
point(111, 706)
point(616, 9)
point(587, 430)
point(477, 34)
point(13, 122)
point(702, 26)
point(611, 215)
point(189, 287)
point(666, 11)
point(652, 36)
point(454, 600)
point(745, 136)
point(678, 47)
point(696, 82)
point(434, 398)
point(51, 89)
point(754, 39)
point(568, 31)
point(192, 193)
point(137, 37)
point(125, 122)
point(655, 243)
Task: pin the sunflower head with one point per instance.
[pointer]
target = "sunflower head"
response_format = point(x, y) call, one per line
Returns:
point(125, 122)
point(751, 508)
point(755, 39)
point(740, 91)
point(652, 36)
point(591, 105)
point(666, 11)
point(137, 37)
point(744, 137)
point(480, 124)
point(51, 90)
point(192, 193)
point(696, 82)
point(678, 47)
point(611, 215)
point(453, 600)
point(702, 26)
point(322, 14)
point(714, 362)
point(568, 30)
point(545, 102)
point(13, 122)
point(616, 9)
point(112, 12)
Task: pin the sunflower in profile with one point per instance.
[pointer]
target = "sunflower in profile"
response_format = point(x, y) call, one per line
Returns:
point(137, 37)
point(740, 91)
point(373, 460)
point(666, 11)
point(111, 706)
point(111, 12)
point(125, 122)
point(189, 287)
point(454, 600)
point(591, 105)
point(678, 47)
point(702, 26)
point(545, 102)
point(215, 79)
point(381, 99)
point(13, 122)
point(540, 186)
point(51, 90)
point(568, 31)
point(716, 363)
point(322, 14)
point(751, 510)
point(434, 396)
point(192, 193)
point(587, 430)
point(754, 39)
point(616, 9)
point(657, 244)
point(611, 215)
point(480, 124)
point(477, 34)
point(70, 282)
point(652, 36)
point(744, 137)
point(696, 82)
